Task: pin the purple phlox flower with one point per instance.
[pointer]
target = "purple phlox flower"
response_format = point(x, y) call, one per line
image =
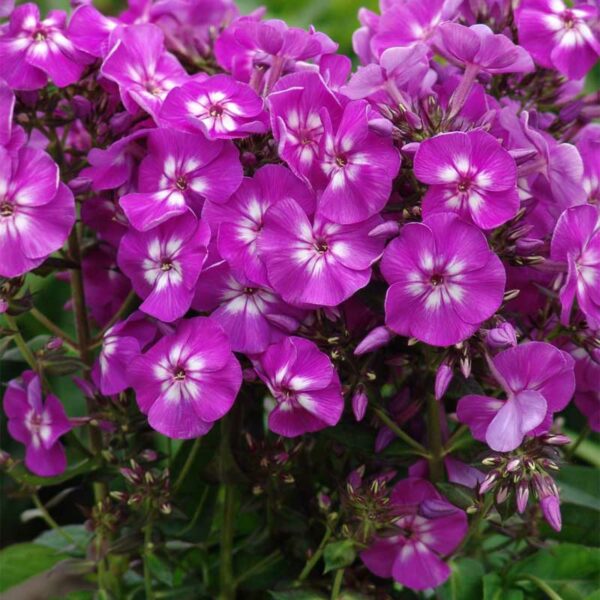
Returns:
point(36, 211)
point(7, 106)
point(335, 70)
point(560, 165)
point(253, 316)
point(457, 471)
point(220, 107)
point(444, 280)
point(103, 214)
point(412, 552)
point(91, 31)
point(559, 37)
point(260, 52)
point(187, 380)
point(538, 380)
point(363, 36)
point(587, 391)
point(105, 286)
point(402, 74)
point(6, 7)
point(37, 423)
point(304, 384)
point(588, 144)
point(121, 344)
point(502, 336)
point(359, 165)
point(179, 172)
point(143, 70)
point(33, 50)
point(576, 243)
point(479, 47)
point(296, 105)
point(164, 263)
point(241, 219)
point(114, 166)
point(409, 23)
point(468, 173)
point(320, 263)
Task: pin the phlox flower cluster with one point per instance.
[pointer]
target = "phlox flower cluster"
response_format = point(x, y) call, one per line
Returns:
point(255, 222)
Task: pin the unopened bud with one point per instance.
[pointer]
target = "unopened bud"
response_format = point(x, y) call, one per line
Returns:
point(513, 465)
point(511, 295)
point(385, 230)
point(522, 496)
point(465, 366)
point(502, 336)
point(443, 377)
point(488, 483)
point(375, 339)
point(557, 439)
point(502, 495)
point(551, 509)
point(166, 508)
point(360, 402)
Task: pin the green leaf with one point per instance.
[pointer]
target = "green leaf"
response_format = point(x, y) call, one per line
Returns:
point(297, 595)
point(53, 539)
point(466, 581)
point(338, 555)
point(160, 569)
point(579, 485)
point(21, 561)
point(493, 589)
point(576, 526)
point(459, 495)
point(569, 570)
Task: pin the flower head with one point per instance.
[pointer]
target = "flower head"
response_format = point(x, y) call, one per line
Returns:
point(445, 281)
point(426, 527)
point(470, 174)
point(187, 380)
point(304, 384)
point(538, 380)
point(37, 423)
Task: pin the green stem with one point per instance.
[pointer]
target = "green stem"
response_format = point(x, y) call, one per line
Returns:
point(259, 566)
point(337, 584)
point(20, 342)
point(477, 520)
point(572, 448)
point(455, 439)
point(187, 465)
point(226, 580)
point(314, 559)
point(52, 523)
point(148, 547)
point(125, 306)
point(544, 587)
point(419, 449)
point(436, 449)
point(54, 329)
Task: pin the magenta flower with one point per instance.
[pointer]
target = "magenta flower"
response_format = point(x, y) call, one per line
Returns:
point(37, 423)
point(296, 105)
point(426, 529)
point(360, 167)
point(241, 219)
point(121, 344)
point(36, 211)
point(576, 243)
point(477, 47)
point(470, 174)
point(187, 380)
point(588, 144)
point(587, 392)
point(220, 107)
point(164, 263)
point(7, 106)
point(143, 70)
point(180, 171)
point(33, 50)
point(559, 37)
point(538, 380)
point(305, 386)
point(445, 281)
point(254, 317)
point(320, 263)
point(90, 30)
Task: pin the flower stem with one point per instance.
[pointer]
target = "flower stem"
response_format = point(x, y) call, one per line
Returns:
point(116, 317)
point(314, 559)
point(337, 584)
point(52, 523)
point(572, 448)
point(147, 551)
point(419, 449)
point(50, 326)
point(226, 580)
point(436, 448)
point(189, 461)
point(26, 353)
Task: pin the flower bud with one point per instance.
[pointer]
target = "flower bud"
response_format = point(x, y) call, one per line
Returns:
point(443, 377)
point(465, 366)
point(551, 509)
point(513, 465)
point(502, 336)
point(375, 339)
point(556, 439)
point(360, 402)
point(522, 496)
point(385, 230)
point(488, 483)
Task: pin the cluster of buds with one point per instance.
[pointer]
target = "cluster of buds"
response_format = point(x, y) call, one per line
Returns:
point(9, 288)
point(523, 474)
point(151, 490)
point(366, 504)
point(270, 461)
